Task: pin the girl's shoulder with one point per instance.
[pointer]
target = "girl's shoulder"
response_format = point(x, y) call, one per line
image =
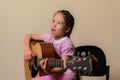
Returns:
point(67, 41)
point(47, 37)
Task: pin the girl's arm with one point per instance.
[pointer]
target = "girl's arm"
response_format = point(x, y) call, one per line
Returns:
point(27, 39)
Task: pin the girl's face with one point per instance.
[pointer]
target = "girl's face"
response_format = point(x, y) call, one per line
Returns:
point(58, 26)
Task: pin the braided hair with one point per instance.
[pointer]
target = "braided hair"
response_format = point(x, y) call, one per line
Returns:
point(69, 20)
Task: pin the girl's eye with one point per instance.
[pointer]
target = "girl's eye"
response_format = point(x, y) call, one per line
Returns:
point(53, 21)
point(59, 22)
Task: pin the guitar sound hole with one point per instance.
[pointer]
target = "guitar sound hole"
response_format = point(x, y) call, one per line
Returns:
point(34, 67)
point(34, 71)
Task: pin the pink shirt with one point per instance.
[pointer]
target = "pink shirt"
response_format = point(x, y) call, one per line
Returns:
point(62, 47)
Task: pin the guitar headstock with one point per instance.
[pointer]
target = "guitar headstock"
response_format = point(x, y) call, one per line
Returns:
point(79, 63)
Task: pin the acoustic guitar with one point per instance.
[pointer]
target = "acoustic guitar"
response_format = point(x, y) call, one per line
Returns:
point(43, 50)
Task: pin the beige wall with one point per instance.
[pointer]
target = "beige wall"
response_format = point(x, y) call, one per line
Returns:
point(97, 23)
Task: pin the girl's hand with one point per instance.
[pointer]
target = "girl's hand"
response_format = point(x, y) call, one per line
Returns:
point(27, 54)
point(43, 64)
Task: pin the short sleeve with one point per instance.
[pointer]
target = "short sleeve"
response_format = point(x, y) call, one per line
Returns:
point(47, 37)
point(67, 49)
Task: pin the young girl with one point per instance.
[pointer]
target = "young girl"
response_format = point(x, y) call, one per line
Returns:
point(61, 29)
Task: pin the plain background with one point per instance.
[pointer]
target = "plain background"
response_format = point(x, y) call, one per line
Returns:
point(97, 22)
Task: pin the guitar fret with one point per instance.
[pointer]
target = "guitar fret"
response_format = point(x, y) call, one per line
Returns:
point(55, 63)
point(61, 63)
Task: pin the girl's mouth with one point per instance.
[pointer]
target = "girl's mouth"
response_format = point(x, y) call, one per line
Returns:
point(53, 30)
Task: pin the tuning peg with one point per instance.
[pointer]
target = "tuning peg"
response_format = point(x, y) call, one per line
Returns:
point(79, 68)
point(74, 58)
point(74, 68)
point(79, 59)
point(85, 68)
point(78, 53)
point(83, 54)
point(84, 58)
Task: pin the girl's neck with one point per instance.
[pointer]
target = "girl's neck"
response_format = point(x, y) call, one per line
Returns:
point(58, 38)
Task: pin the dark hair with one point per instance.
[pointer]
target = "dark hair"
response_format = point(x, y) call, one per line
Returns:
point(69, 20)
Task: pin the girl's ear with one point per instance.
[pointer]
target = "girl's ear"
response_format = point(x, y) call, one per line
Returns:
point(67, 29)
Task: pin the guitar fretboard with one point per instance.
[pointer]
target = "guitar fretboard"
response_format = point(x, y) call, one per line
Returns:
point(51, 63)
point(55, 63)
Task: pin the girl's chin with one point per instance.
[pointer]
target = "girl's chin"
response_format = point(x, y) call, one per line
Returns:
point(53, 33)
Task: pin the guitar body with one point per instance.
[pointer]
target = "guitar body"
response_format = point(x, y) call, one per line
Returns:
point(41, 50)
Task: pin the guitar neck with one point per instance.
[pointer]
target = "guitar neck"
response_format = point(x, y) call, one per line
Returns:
point(74, 63)
point(51, 63)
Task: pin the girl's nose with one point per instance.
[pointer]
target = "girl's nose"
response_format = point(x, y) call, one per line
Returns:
point(54, 24)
